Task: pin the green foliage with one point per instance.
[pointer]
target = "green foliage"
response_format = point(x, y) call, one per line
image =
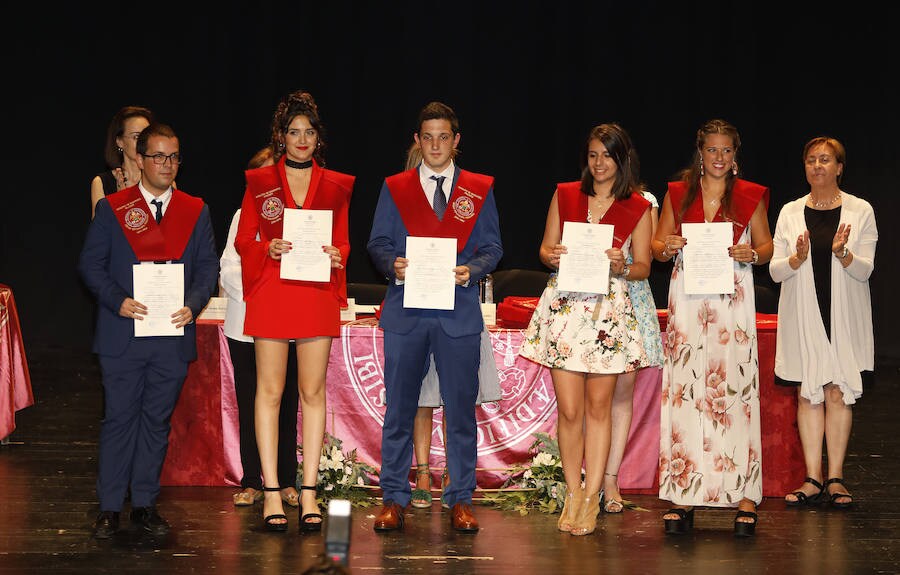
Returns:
point(539, 485)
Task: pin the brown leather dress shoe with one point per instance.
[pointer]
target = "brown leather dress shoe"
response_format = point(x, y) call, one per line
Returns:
point(462, 519)
point(390, 518)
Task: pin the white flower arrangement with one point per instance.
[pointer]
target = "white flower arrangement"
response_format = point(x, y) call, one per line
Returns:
point(342, 475)
point(541, 485)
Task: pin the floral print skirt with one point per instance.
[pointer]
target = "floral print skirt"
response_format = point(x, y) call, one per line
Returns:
point(567, 331)
point(710, 419)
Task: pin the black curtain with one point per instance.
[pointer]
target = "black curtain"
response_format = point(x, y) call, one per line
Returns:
point(528, 81)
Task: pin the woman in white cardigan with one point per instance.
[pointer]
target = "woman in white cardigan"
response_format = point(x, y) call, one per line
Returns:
point(824, 254)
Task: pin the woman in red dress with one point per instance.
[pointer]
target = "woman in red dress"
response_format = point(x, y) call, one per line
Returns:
point(280, 310)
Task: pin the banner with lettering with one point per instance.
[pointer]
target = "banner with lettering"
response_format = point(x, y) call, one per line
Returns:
point(355, 398)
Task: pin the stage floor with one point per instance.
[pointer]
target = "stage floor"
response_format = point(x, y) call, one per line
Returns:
point(47, 505)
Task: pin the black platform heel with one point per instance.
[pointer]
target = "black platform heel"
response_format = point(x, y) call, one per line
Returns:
point(307, 526)
point(745, 528)
point(683, 524)
point(268, 520)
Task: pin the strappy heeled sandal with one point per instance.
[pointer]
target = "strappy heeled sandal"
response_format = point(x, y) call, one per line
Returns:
point(269, 520)
point(612, 505)
point(570, 509)
point(804, 499)
point(835, 496)
point(292, 499)
point(247, 497)
point(683, 524)
point(307, 526)
point(421, 498)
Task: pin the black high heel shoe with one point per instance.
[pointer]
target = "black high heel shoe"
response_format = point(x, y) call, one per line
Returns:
point(745, 528)
point(683, 524)
point(307, 526)
point(268, 520)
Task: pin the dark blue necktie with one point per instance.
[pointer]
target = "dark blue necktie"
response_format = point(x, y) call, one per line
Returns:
point(439, 203)
point(158, 205)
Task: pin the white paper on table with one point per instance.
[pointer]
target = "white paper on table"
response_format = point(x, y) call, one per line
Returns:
point(489, 313)
point(160, 287)
point(349, 313)
point(308, 231)
point(215, 309)
point(708, 269)
point(585, 268)
point(430, 281)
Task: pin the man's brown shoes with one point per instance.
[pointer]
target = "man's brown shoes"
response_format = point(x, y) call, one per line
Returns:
point(390, 518)
point(462, 519)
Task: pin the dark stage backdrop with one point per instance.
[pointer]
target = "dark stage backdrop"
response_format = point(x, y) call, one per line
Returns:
point(527, 80)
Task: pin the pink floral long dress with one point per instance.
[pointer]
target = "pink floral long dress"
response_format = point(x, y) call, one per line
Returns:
point(709, 421)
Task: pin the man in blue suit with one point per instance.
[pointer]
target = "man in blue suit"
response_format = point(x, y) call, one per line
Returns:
point(435, 199)
point(142, 376)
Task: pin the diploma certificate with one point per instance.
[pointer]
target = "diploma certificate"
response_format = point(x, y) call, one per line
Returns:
point(708, 269)
point(160, 287)
point(585, 268)
point(308, 231)
point(430, 281)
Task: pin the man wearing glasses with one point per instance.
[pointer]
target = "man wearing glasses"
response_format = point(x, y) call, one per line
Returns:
point(148, 223)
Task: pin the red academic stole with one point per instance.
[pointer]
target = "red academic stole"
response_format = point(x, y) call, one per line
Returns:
point(623, 215)
point(745, 197)
point(267, 186)
point(466, 201)
point(149, 240)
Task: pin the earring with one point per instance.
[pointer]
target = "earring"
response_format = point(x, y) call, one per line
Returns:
point(120, 149)
point(281, 144)
point(701, 167)
point(734, 168)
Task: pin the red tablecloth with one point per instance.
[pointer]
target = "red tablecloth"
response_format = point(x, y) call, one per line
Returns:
point(15, 381)
point(203, 447)
point(783, 468)
point(197, 445)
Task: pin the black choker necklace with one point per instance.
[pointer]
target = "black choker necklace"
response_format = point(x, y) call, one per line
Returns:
point(298, 165)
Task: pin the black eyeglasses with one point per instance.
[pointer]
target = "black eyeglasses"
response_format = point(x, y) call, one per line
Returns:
point(160, 159)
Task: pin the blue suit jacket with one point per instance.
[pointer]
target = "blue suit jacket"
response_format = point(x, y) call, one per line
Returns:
point(481, 253)
point(106, 264)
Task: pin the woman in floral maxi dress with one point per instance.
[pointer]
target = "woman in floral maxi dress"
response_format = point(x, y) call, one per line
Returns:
point(709, 424)
point(587, 339)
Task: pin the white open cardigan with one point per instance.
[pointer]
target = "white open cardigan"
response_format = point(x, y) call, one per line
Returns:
point(802, 351)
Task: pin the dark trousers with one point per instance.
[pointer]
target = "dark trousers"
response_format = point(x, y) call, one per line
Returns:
point(405, 359)
point(140, 389)
point(243, 358)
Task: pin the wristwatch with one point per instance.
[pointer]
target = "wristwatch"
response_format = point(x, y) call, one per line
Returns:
point(755, 256)
point(625, 271)
point(844, 253)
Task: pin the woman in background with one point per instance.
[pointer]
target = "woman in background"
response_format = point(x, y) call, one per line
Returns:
point(243, 360)
point(623, 398)
point(120, 153)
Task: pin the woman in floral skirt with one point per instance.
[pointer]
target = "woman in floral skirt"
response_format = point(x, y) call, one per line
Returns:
point(709, 422)
point(588, 339)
